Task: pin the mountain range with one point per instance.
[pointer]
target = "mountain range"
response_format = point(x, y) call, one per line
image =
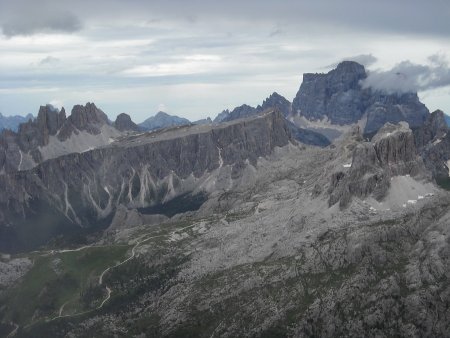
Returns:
point(12, 122)
point(325, 216)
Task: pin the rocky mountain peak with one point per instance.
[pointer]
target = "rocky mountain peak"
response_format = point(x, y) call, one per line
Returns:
point(124, 123)
point(351, 67)
point(82, 117)
point(35, 133)
point(50, 119)
point(240, 112)
point(276, 101)
point(391, 152)
point(338, 98)
point(163, 120)
point(221, 116)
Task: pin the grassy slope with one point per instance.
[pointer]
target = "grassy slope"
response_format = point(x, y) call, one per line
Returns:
point(57, 279)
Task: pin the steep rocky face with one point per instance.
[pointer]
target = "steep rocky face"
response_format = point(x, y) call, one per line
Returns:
point(336, 95)
point(36, 133)
point(276, 101)
point(339, 98)
point(124, 123)
point(163, 120)
point(433, 142)
point(434, 129)
point(391, 152)
point(80, 189)
point(83, 118)
point(394, 108)
point(51, 135)
point(9, 151)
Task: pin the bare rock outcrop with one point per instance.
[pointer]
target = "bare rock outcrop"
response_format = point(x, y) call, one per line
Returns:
point(340, 98)
point(123, 122)
point(81, 189)
point(391, 152)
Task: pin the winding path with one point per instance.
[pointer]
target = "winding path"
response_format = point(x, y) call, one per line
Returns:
point(102, 275)
point(100, 279)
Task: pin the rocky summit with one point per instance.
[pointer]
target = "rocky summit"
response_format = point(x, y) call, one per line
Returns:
point(339, 98)
point(325, 217)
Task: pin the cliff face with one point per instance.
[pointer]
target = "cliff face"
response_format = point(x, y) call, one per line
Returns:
point(390, 153)
point(339, 98)
point(82, 189)
point(433, 141)
point(52, 134)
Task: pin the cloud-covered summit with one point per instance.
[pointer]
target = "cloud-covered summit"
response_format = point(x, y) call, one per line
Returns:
point(407, 76)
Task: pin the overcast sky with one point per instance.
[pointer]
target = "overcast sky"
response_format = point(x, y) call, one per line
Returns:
point(196, 58)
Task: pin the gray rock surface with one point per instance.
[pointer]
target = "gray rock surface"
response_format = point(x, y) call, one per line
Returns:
point(276, 101)
point(123, 122)
point(267, 258)
point(80, 189)
point(238, 113)
point(339, 98)
point(52, 134)
point(434, 129)
point(391, 152)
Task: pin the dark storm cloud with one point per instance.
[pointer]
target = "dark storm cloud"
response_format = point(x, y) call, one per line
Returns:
point(410, 77)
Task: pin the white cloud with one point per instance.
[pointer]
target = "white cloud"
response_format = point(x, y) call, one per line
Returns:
point(411, 77)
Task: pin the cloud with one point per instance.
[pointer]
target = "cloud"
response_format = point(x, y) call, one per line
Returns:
point(411, 77)
point(49, 60)
point(364, 59)
point(23, 17)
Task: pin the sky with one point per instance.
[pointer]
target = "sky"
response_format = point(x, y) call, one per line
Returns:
point(196, 58)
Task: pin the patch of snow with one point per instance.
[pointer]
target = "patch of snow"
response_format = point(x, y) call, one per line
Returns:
point(348, 165)
point(404, 191)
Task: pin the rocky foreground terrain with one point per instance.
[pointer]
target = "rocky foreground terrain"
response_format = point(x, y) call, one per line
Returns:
point(232, 229)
